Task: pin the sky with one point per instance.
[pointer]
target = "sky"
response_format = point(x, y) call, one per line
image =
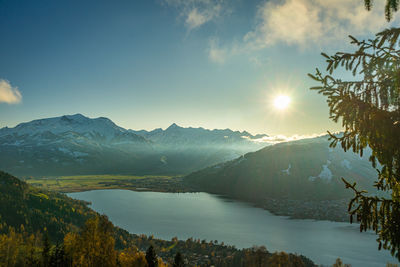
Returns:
point(146, 64)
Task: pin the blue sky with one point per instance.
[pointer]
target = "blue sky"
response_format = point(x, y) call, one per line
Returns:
point(146, 64)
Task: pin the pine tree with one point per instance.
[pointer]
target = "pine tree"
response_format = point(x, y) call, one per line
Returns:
point(46, 250)
point(391, 6)
point(178, 261)
point(58, 257)
point(369, 108)
point(151, 257)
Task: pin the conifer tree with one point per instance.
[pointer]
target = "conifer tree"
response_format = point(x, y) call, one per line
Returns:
point(46, 250)
point(391, 6)
point(178, 260)
point(369, 108)
point(151, 257)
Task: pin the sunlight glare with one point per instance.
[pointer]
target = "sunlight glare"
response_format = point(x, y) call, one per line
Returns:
point(282, 102)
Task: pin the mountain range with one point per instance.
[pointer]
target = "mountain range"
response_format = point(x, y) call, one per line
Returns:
point(75, 144)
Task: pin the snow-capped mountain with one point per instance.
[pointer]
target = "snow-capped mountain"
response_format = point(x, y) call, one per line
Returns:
point(69, 144)
point(102, 128)
point(191, 149)
point(75, 144)
point(180, 138)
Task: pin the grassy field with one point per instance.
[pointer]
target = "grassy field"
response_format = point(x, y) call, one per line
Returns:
point(80, 183)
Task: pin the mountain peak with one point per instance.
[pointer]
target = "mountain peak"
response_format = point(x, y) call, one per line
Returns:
point(76, 118)
point(173, 126)
point(77, 123)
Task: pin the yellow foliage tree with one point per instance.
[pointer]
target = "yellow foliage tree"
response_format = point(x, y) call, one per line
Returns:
point(132, 257)
point(94, 245)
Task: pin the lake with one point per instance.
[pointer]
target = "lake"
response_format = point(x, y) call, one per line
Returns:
point(210, 217)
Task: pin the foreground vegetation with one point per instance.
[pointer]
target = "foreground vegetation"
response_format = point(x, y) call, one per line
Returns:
point(94, 245)
point(368, 106)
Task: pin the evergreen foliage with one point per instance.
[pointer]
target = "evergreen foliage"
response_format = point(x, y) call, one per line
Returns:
point(178, 260)
point(36, 210)
point(151, 257)
point(391, 6)
point(369, 108)
point(46, 250)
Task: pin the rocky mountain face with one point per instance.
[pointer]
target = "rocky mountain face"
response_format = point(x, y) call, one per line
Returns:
point(75, 144)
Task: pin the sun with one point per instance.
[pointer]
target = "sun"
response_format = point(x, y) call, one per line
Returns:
point(282, 102)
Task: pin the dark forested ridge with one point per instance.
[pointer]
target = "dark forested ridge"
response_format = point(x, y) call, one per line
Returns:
point(42, 228)
point(294, 175)
point(36, 210)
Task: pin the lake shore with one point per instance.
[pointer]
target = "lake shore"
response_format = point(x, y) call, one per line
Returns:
point(207, 216)
point(330, 210)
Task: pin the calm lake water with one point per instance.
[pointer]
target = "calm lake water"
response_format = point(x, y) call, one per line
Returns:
point(206, 216)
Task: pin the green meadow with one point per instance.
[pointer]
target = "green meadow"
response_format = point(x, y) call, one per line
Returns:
point(78, 183)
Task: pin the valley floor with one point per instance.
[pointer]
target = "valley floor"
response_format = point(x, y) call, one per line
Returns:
point(68, 184)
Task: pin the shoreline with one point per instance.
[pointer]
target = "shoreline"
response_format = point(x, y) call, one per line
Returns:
point(321, 210)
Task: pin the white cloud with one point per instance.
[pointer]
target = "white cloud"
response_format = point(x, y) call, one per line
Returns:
point(307, 23)
point(274, 139)
point(197, 12)
point(216, 53)
point(195, 19)
point(9, 94)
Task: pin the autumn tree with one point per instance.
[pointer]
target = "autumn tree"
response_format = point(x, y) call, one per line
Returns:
point(94, 245)
point(339, 263)
point(368, 106)
point(11, 245)
point(132, 257)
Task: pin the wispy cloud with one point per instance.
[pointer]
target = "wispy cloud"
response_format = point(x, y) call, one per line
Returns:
point(274, 139)
point(8, 93)
point(197, 12)
point(307, 23)
point(216, 53)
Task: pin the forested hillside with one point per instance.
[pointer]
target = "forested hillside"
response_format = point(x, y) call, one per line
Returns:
point(290, 176)
point(35, 210)
point(305, 169)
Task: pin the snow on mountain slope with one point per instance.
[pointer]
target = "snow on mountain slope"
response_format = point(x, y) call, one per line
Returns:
point(68, 123)
point(184, 138)
point(77, 144)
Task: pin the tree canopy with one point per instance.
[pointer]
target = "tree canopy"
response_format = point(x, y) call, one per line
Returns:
point(369, 108)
